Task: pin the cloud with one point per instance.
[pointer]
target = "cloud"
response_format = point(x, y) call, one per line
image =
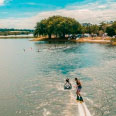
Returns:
point(1, 2)
point(91, 13)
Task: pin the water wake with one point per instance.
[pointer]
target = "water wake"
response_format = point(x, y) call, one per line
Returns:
point(82, 108)
point(46, 113)
point(87, 111)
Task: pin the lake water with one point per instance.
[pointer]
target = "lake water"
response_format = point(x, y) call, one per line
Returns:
point(31, 82)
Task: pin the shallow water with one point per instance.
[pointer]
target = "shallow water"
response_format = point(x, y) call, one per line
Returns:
point(31, 82)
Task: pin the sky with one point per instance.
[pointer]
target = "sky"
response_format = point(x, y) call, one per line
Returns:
point(24, 14)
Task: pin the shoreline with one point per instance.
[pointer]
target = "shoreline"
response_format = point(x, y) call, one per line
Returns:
point(15, 37)
point(99, 40)
point(51, 40)
point(94, 40)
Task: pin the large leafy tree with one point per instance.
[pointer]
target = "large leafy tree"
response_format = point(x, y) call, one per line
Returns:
point(111, 30)
point(92, 29)
point(41, 28)
point(57, 25)
point(103, 26)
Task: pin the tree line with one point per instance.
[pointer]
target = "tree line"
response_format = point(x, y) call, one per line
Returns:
point(109, 28)
point(60, 26)
point(6, 31)
point(12, 29)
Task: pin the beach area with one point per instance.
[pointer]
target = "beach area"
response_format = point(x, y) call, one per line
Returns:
point(100, 40)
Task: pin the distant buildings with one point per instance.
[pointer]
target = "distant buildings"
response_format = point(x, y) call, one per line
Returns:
point(110, 22)
point(89, 24)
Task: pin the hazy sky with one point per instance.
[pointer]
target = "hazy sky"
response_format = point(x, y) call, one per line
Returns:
point(25, 13)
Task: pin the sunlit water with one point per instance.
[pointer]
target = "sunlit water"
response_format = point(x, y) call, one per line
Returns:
point(31, 82)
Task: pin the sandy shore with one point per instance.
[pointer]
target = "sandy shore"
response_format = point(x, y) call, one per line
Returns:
point(81, 40)
point(50, 40)
point(94, 40)
point(39, 39)
point(113, 43)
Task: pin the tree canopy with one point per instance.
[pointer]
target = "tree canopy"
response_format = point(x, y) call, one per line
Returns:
point(57, 25)
point(100, 29)
point(92, 29)
point(60, 26)
point(111, 30)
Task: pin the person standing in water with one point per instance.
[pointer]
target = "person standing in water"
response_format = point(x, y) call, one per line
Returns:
point(78, 87)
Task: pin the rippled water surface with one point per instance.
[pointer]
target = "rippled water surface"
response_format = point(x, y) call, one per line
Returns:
point(31, 82)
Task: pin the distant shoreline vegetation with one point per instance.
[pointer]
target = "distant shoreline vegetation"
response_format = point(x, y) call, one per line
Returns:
point(60, 27)
point(7, 32)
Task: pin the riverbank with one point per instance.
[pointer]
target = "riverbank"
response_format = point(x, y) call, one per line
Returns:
point(100, 40)
point(51, 40)
point(16, 36)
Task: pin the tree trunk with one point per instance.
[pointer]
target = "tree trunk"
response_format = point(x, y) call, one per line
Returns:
point(63, 35)
point(49, 36)
point(56, 35)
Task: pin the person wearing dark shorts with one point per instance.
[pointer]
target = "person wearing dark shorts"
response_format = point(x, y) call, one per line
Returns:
point(79, 87)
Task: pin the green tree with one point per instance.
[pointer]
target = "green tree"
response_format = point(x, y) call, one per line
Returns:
point(92, 29)
point(41, 28)
point(57, 25)
point(111, 30)
point(103, 26)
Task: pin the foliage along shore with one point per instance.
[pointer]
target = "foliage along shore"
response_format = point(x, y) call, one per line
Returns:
point(59, 27)
point(62, 26)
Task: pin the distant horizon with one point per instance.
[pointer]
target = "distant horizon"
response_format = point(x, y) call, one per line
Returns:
point(25, 14)
point(34, 28)
point(15, 29)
